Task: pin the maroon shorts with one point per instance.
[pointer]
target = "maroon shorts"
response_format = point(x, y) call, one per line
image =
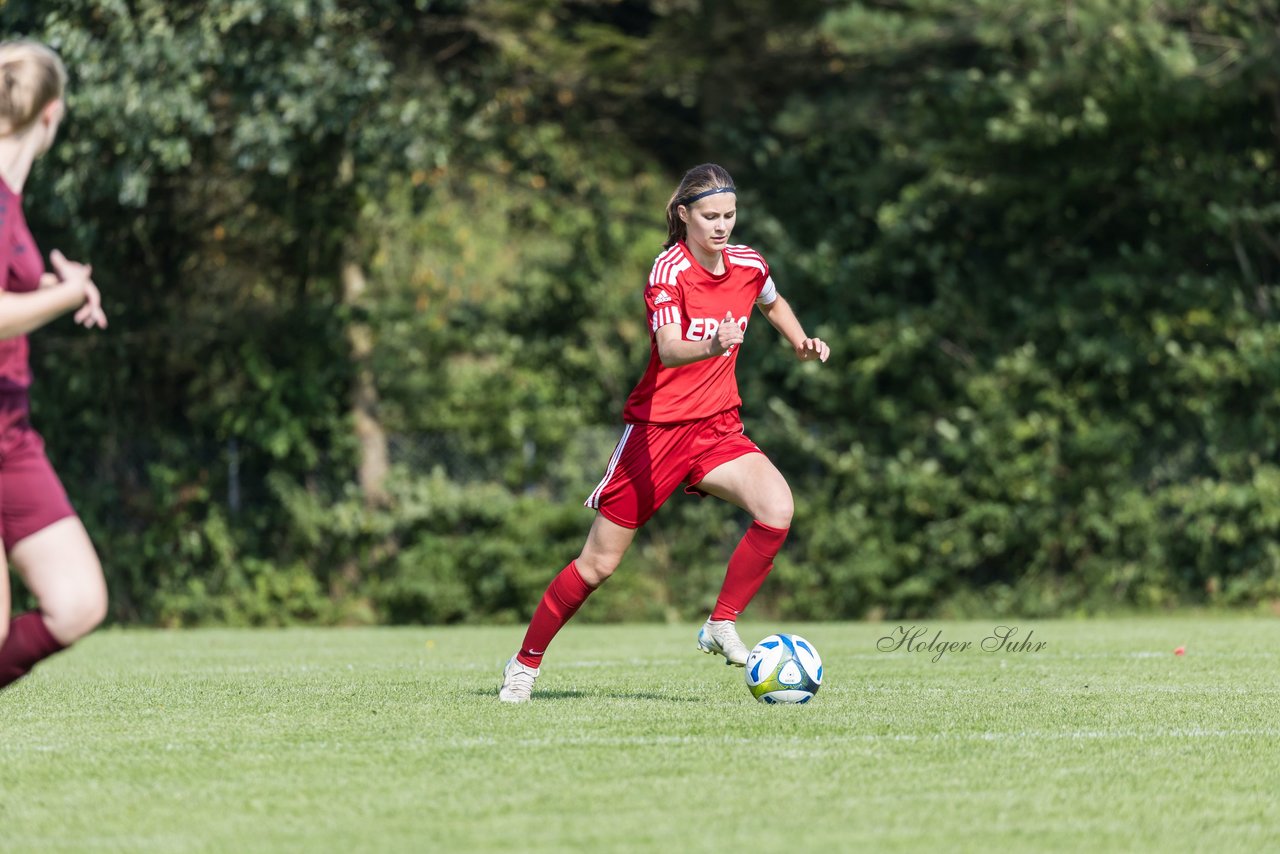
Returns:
point(31, 496)
point(651, 460)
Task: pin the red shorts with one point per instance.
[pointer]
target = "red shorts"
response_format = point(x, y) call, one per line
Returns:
point(651, 460)
point(31, 496)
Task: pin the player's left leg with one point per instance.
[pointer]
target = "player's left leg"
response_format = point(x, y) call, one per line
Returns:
point(60, 567)
point(753, 483)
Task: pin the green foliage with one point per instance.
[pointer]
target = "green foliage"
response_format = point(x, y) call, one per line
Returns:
point(503, 320)
point(209, 169)
point(1054, 342)
point(1040, 240)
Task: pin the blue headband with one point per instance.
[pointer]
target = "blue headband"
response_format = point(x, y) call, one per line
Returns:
point(691, 199)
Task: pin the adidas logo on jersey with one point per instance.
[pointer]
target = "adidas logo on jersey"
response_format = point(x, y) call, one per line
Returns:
point(662, 297)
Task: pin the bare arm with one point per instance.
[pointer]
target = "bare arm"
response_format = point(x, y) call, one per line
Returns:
point(784, 320)
point(674, 351)
point(24, 312)
point(72, 287)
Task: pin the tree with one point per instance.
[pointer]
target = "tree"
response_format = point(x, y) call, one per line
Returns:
point(1044, 237)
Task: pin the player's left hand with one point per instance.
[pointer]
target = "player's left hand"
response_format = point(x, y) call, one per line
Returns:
point(813, 348)
point(90, 313)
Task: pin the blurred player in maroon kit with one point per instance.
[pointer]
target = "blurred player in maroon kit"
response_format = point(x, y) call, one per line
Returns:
point(43, 539)
point(682, 423)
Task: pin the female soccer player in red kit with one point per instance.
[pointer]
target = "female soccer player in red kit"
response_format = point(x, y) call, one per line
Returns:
point(682, 423)
point(42, 537)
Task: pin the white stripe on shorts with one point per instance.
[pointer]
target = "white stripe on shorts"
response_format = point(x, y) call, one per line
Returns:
point(593, 500)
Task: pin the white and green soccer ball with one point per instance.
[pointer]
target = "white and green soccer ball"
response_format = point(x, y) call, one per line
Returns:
point(784, 668)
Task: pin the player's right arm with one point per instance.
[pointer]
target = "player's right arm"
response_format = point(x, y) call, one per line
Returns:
point(674, 351)
point(21, 313)
point(664, 298)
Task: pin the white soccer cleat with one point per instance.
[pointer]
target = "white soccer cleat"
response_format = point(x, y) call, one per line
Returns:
point(517, 682)
point(721, 636)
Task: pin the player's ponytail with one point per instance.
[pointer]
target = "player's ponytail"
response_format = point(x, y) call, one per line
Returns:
point(698, 182)
point(31, 77)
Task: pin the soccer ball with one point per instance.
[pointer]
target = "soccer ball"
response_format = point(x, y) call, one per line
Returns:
point(784, 669)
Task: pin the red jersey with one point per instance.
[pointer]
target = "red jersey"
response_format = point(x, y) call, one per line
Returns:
point(20, 269)
point(682, 291)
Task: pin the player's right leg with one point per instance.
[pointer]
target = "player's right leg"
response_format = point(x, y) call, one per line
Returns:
point(606, 543)
point(647, 465)
point(61, 568)
point(48, 546)
point(4, 597)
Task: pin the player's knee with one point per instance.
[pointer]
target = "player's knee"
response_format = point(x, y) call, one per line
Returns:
point(94, 611)
point(777, 512)
point(73, 617)
point(595, 569)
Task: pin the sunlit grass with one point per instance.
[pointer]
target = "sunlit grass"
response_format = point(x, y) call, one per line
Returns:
point(393, 740)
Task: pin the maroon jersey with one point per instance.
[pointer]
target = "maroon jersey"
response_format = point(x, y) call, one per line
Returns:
point(682, 291)
point(20, 268)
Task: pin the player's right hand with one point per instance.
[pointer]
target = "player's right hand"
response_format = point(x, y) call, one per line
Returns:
point(729, 334)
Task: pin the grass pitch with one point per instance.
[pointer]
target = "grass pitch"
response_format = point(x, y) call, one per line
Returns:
point(393, 740)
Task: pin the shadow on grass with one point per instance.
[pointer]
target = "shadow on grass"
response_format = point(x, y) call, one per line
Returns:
point(539, 696)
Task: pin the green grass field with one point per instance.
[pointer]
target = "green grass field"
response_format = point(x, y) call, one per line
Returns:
point(393, 740)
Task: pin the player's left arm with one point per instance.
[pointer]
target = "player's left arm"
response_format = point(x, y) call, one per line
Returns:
point(90, 314)
point(779, 313)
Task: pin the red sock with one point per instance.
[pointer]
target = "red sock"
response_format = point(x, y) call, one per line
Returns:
point(750, 563)
point(566, 592)
point(29, 641)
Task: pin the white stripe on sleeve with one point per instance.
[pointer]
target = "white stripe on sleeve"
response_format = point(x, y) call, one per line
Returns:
point(768, 293)
point(665, 315)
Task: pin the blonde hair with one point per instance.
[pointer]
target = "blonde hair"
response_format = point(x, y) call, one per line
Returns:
point(31, 77)
point(703, 180)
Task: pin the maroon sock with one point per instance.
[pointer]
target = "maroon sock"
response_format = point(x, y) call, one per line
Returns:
point(564, 595)
point(748, 566)
point(28, 642)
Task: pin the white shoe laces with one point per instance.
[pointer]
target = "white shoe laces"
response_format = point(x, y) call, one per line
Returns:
point(725, 635)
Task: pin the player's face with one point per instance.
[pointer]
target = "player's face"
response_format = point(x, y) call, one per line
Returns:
point(709, 221)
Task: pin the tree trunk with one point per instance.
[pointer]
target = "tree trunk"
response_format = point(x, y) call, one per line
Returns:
point(364, 396)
